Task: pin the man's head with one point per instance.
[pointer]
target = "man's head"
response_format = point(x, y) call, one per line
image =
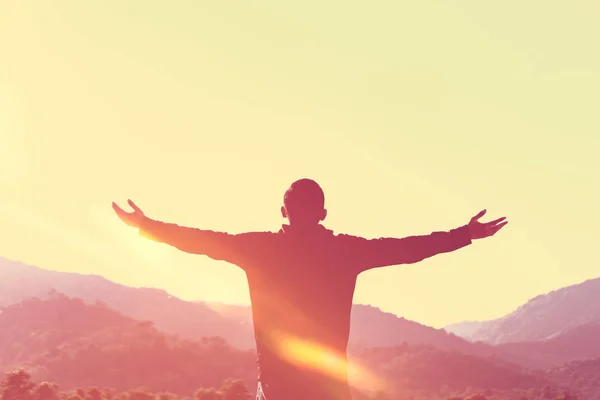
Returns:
point(304, 203)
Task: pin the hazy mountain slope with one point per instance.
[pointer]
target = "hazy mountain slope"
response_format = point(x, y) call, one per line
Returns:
point(540, 318)
point(582, 377)
point(74, 344)
point(579, 343)
point(424, 370)
point(464, 329)
point(169, 313)
point(370, 326)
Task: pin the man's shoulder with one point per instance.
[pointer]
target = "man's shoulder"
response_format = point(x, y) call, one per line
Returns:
point(256, 235)
point(347, 237)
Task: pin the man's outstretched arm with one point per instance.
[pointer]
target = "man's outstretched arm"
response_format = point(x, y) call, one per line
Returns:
point(216, 245)
point(383, 252)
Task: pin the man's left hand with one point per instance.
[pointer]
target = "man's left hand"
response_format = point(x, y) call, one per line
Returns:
point(480, 230)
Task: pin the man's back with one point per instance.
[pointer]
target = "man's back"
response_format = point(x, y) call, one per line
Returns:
point(301, 286)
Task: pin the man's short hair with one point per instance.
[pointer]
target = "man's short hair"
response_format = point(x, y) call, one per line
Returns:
point(304, 194)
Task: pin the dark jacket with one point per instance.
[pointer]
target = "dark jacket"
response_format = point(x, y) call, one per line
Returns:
point(301, 286)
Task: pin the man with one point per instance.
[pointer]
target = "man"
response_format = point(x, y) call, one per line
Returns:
point(302, 281)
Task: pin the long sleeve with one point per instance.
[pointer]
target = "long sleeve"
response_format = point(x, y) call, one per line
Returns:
point(374, 253)
point(216, 245)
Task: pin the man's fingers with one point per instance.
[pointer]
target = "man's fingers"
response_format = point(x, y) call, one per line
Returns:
point(120, 212)
point(117, 209)
point(132, 205)
point(496, 221)
point(481, 214)
point(499, 226)
point(496, 228)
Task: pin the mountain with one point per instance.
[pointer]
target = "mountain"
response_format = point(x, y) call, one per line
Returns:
point(540, 318)
point(370, 326)
point(582, 377)
point(464, 329)
point(422, 370)
point(73, 344)
point(170, 314)
point(579, 343)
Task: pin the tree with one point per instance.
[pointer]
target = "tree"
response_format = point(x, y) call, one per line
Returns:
point(17, 385)
point(565, 396)
point(235, 389)
point(166, 396)
point(141, 395)
point(94, 394)
point(208, 394)
point(47, 391)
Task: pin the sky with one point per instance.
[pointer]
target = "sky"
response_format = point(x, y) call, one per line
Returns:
point(413, 116)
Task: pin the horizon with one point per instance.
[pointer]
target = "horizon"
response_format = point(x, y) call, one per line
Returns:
point(215, 303)
point(204, 115)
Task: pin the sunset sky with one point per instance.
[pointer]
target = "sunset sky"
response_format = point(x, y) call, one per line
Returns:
point(413, 116)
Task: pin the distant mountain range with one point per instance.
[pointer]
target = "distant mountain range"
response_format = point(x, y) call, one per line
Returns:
point(581, 377)
point(370, 326)
point(170, 314)
point(76, 345)
point(542, 318)
point(576, 340)
point(73, 344)
point(579, 343)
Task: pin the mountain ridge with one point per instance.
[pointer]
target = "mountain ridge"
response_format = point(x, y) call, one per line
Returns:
point(371, 327)
point(198, 318)
point(74, 344)
point(542, 317)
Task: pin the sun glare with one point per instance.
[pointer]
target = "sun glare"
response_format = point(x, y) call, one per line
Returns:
point(319, 358)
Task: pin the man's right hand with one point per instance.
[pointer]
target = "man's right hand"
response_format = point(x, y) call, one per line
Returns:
point(480, 230)
point(134, 218)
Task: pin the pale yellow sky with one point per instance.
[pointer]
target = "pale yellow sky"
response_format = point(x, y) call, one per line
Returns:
point(412, 115)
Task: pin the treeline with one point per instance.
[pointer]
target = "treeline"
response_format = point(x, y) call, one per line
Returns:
point(582, 377)
point(18, 385)
point(73, 344)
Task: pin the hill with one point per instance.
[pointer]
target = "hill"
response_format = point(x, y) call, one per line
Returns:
point(74, 344)
point(169, 313)
point(370, 326)
point(425, 371)
point(580, 343)
point(582, 377)
point(541, 318)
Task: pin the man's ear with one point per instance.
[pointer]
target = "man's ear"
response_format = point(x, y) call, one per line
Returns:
point(284, 212)
point(323, 215)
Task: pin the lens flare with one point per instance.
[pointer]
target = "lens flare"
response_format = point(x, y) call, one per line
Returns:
point(319, 358)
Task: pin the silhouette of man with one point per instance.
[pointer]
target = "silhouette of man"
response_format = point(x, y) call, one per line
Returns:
point(302, 281)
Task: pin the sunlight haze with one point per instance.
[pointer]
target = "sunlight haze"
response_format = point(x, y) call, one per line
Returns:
point(413, 116)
